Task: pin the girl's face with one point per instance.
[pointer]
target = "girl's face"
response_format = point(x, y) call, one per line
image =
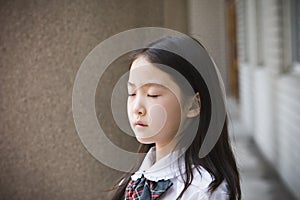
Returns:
point(153, 104)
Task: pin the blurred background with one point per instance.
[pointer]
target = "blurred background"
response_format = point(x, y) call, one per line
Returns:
point(255, 43)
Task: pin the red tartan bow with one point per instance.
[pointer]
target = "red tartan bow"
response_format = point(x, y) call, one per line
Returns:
point(144, 189)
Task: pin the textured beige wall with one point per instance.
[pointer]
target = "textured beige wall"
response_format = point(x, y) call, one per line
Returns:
point(207, 23)
point(175, 15)
point(42, 44)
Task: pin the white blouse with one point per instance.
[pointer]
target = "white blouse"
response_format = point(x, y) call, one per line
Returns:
point(168, 168)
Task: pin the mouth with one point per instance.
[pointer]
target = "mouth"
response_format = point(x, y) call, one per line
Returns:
point(138, 123)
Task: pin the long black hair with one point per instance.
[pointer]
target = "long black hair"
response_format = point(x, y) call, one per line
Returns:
point(220, 161)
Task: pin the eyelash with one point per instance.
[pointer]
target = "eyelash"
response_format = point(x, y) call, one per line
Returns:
point(153, 96)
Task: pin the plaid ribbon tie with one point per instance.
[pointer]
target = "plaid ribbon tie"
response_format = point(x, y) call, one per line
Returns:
point(144, 189)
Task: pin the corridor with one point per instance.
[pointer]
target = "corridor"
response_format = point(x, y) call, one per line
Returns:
point(258, 179)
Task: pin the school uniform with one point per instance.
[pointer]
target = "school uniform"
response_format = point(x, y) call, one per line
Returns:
point(167, 170)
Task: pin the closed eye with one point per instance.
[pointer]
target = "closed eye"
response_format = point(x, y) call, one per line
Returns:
point(154, 96)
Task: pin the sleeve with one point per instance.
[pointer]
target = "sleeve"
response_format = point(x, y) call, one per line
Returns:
point(199, 195)
point(219, 194)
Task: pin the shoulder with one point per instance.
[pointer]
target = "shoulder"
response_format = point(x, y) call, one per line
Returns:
point(199, 188)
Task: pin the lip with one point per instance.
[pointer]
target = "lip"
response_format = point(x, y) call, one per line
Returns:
point(139, 123)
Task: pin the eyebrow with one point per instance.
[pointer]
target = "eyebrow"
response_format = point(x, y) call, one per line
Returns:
point(147, 84)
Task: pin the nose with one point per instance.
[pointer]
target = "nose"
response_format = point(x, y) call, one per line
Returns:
point(138, 106)
point(141, 112)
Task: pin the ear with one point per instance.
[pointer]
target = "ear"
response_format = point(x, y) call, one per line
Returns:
point(195, 106)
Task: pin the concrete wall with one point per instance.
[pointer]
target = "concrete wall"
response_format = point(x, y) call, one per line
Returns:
point(42, 45)
point(207, 23)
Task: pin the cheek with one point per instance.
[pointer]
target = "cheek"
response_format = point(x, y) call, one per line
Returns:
point(158, 117)
point(165, 116)
point(128, 108)
point(174, 114)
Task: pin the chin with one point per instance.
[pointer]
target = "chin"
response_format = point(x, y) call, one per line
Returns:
point(145, 140)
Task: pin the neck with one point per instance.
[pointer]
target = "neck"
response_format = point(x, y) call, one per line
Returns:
point(162, 151)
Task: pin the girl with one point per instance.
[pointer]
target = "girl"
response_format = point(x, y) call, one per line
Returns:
point(169, 109)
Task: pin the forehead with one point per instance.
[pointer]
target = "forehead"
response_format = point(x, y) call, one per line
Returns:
point(144, 73)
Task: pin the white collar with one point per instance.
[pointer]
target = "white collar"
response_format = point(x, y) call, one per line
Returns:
point(166, 168)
